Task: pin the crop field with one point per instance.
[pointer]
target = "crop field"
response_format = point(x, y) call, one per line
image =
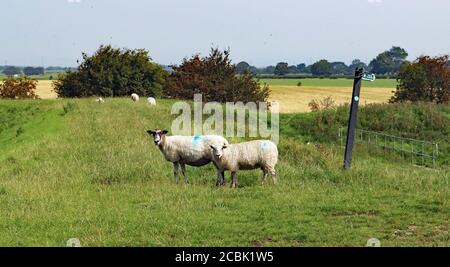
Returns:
point(293, 98)
point(77, 168)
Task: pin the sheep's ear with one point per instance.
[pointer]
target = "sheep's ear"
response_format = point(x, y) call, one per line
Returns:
point(165, 132)
point(150, 132)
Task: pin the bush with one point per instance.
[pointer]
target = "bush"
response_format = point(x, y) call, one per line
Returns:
point(113, 72)
point(426, 79)
point(325, 103)
point(424, 121)
point(216, 79)
point(18, 88)
point(299, 84)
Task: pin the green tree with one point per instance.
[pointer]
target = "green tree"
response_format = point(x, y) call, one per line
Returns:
point(281, 68)
point(242, 67)
point(215, 78)
point(113, 72)
point(322, 68)
point(339, 68)
point(389, 62)
point(356, 63)
point(426, 79)
point(11, 70)
point(33, 70)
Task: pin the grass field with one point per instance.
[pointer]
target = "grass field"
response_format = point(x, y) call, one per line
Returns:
point(76, 168)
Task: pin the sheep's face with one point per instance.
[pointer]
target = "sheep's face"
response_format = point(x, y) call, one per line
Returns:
point(157, 135)
point(217, 150)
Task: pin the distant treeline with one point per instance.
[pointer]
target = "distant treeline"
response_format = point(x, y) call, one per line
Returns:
point(386, 64)
point(29, 70)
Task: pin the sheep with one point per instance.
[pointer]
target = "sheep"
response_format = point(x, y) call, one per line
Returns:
point(246, 156)
point(100, 100)
point(151, 101)
point(134, 97)
point(190, 150)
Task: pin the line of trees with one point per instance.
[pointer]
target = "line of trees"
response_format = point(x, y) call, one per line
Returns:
point(388, 62)
point(29, 70)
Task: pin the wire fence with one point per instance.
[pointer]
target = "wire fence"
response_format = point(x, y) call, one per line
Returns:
point(418, 152)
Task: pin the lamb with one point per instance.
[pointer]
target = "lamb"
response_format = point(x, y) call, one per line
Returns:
point(151, 101)
point(100, 100)
point(245, 156)
point(135, 97)
point(190, 150)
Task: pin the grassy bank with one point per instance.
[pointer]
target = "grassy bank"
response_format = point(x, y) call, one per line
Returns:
point(88, 170)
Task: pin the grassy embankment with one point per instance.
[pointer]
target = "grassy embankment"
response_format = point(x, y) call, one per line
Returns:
point(76, 168)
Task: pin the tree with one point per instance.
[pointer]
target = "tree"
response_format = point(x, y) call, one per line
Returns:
point(18, 88)
point(242, 67)
point(215, 78)
point(389, 62)
point(356, 63)
point(339, 68)
point(11, 70)
point(281, 69)
point(113, 72)
point(33, 70)
point(321, 67)
point(301, 68)
point(426, 79)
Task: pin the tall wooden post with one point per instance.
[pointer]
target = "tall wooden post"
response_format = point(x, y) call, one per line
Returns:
point(352, 118)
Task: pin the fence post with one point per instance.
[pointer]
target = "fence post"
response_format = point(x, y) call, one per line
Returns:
point(352, 118)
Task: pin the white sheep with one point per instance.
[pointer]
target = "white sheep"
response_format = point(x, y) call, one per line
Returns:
point(135, 97)
point(151, 101)
point(246, 156)
point(190, 150)
point(100, 100)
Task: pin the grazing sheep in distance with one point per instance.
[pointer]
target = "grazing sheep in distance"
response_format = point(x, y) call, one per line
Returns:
point(134, 97)
point(100, 100)
point(190, 150)
point(151, 101)
point(246, 156)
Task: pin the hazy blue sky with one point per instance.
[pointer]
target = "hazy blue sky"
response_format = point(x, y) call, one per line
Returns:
point(262, 32)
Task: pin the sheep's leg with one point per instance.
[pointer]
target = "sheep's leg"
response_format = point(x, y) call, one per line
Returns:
point(233, 180)
point(183, 170)
point(274, 176)
point(220, 178)
point(175, 171)
point(264, 176)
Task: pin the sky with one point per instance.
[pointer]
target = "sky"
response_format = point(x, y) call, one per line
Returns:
point(261, 32)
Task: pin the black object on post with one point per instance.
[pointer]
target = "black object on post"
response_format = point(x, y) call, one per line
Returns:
point(352, 118)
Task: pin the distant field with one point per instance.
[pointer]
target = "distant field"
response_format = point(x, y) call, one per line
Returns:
point(44, 89)
point(380, 83)
point(296, 99)
point(291, 98)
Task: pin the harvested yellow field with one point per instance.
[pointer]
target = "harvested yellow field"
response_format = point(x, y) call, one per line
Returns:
point(44, 89)
point(296, 98)
point(291, 98)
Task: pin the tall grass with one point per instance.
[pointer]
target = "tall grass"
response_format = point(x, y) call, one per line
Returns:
point(99, 178)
